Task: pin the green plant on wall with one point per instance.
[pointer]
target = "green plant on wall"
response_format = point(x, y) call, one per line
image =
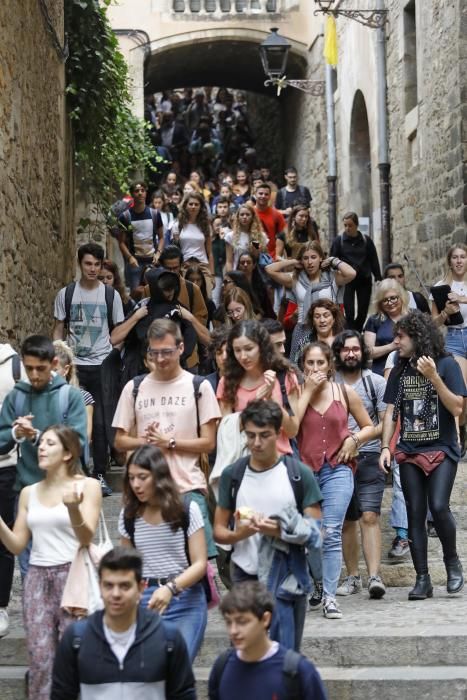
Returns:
point(111, 144)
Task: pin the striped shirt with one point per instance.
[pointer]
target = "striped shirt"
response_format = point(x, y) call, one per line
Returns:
point(163, 550)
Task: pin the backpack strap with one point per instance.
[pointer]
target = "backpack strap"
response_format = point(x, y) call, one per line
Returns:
point(295, 478)
point(79, 627)
point(136, 384)
point(191, 293)
point(238, 472)
point(197, 381)
point(371, 393)
point(20, 400)
point(109, 301)
point(155, 221)
point(64, 401)
point(16, 367)
point(129, 525)
point(293, 690)
point(285, 398)
point(69, 290)
point(216, 673)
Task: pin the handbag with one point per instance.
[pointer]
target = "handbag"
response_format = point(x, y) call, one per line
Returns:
point(211, 587)
point(104, 543)
point(94, 599)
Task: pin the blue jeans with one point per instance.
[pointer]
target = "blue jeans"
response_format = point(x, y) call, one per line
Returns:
point(398, 507)
point(336, 484)
point(187, 613)
point(288, 618)
point(456, 341)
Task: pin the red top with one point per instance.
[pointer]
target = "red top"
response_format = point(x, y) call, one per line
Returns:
point(274, 223)
point(321, 435)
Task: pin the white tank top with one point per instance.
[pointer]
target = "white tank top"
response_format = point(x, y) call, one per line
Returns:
point(53, 539)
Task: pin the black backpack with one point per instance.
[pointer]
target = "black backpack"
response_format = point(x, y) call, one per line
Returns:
point(109, 300)
point(293, 472)
point(293, 689)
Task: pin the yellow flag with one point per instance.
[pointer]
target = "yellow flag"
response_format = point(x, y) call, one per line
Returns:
point(330, 41)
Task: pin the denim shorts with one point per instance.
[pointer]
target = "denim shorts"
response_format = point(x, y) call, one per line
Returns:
point(369, 487)
point(456, 341)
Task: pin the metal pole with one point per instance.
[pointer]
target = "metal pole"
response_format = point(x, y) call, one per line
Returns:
point(384, 165)
point(332, 155)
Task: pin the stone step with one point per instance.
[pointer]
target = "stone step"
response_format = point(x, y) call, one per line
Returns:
point(387, 683)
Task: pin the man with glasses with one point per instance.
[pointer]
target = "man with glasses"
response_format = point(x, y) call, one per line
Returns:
point(164, 413)
point(357, 250)
point(351, 358)
point(141, 235)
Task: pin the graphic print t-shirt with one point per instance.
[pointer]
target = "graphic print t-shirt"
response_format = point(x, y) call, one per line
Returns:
point(436, 428)
point(88, 333)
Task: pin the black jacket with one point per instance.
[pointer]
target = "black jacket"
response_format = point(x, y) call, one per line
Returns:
point(156, 666)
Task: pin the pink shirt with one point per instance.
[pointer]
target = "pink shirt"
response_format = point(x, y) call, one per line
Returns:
point(245, 396)
point(172, 405)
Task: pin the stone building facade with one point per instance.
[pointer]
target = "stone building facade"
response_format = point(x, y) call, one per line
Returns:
point(36, 181)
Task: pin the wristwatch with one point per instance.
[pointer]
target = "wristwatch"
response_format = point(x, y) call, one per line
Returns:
point(172, 444)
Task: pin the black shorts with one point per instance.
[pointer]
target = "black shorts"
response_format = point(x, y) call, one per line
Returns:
point(369, 482)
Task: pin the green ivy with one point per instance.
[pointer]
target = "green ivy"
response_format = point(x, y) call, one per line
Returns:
point(111, 144)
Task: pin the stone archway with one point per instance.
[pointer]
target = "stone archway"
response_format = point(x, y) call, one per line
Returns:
point(360, 158)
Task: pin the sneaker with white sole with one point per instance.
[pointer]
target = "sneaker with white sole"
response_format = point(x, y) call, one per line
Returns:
point(376, 587)
point(331, 609)
point(105, 488)
point(4, 622)
point(316, 598)
point(350, 585)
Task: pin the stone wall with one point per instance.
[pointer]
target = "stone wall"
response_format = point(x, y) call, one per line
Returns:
point(428, 144)
point(36, 183)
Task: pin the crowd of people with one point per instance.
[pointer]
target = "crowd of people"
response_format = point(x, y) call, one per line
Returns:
point(235, 370)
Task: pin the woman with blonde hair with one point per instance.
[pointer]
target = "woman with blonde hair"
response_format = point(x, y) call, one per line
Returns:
point(66, 368)
point(247, 233)
point(238, 306)
point(302, 229)
point(390, 304)
point(60, 514)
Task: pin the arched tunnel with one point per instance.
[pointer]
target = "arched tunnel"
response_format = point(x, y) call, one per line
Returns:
point(221, 58)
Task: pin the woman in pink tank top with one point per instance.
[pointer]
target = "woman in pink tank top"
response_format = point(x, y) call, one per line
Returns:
point(329, 448)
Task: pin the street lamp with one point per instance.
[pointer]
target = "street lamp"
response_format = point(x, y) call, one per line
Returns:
point(274, 52)
point(375, 19)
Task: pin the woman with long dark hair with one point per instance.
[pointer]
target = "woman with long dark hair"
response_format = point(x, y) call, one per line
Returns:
point(248, 265)
point(254, 370)
point(60, 514)
point(329, 448)
point(426, 390)
point(325, 320)
point(302, 229)
point(110, 275)
point(192, 233)
point(169, 533)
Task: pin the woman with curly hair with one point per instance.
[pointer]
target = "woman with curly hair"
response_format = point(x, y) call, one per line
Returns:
point(301, 229)
point(169, 533)
point(110, 275)
point(192, 233)
point(325, 320)
point(247, 233)
point(253, 370)
point(391, 303)
point(426, 390)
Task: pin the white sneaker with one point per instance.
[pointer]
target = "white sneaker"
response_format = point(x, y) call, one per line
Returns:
point(350, 585)
point(4, 622)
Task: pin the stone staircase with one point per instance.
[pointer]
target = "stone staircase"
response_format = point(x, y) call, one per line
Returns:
point(390, 649)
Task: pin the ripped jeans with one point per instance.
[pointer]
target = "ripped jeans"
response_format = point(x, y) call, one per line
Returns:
point(336, 484)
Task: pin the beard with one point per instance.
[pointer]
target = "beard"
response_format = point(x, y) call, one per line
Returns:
point(352, 366)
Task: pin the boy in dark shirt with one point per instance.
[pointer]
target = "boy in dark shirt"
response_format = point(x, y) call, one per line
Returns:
point(257, 668)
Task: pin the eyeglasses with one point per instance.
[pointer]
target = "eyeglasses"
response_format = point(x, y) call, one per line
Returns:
point(235, 312)
point(226, 281)
point(354, 349)
point(390, 300)
point(165, 353)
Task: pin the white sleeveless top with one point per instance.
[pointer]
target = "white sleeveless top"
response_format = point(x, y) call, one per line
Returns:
point(53, 539)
